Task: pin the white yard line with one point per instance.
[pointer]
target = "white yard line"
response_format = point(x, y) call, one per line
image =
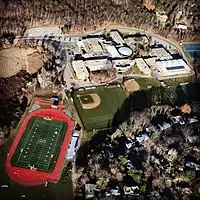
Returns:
point(44, 146)
point(36, 145)
point(54, 146)
point(38, 160)
point(26, 141)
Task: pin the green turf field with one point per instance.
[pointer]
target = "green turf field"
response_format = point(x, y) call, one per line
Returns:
point(40, 144)
point(112, 97)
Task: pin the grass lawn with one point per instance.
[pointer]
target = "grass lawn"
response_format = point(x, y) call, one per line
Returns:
point(177, 81)
point(146, 82)
point(112, 97)
point(61, 191)
point(136, 70)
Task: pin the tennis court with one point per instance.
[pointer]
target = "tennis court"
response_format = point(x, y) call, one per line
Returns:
point(40, 144)
point(193, 49)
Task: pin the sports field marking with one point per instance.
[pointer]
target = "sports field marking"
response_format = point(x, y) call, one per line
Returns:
point(42, 162)
point(40, 145)
point(54, 147)
point(31, 149)
point(101, 116)
point(25, 142)
point(93, 100)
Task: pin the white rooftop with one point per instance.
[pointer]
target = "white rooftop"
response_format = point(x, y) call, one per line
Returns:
point(116, 37)
point(80, 69)
point(92, 45)
point(112, 51)
point(121, 61)
point(73, 46)
point(143, 66)
point(176, 66)
point(141, 63)
point(161, 53)
point(151, 61)
point(126, 51)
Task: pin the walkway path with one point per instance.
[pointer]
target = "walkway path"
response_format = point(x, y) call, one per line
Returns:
point(69, 78)
point(175, 44)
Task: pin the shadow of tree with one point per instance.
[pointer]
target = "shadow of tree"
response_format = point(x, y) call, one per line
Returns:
point(135, 102)
point(10, 105)
point(94, 145)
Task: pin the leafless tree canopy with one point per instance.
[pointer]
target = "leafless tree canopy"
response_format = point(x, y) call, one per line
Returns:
point(17, 15)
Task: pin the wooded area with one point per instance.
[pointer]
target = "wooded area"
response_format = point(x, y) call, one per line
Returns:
point(18, 15)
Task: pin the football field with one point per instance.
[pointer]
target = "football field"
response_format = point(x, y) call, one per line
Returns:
point(40, 144)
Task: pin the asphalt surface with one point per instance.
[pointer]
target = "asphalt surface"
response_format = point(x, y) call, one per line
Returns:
point(177, 45)
point(66, 54)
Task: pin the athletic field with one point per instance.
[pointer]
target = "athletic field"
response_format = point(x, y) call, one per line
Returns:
point(40, 144)
point(192, 49)
point(97, 107)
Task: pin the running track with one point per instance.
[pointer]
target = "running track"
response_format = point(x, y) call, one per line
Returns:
point(33, 177)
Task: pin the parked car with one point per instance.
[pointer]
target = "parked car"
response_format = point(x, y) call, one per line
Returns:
point(4, 186)
point(181, 122)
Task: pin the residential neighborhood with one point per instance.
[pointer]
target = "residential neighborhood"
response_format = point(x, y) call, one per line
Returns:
point(130, 95)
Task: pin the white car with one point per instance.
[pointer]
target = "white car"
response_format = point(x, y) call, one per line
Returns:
point(181, 122)
point(4, 186)
point(192, 120)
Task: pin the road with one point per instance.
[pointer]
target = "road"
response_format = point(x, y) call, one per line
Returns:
point(128, 29)
point(175, 44)
point(66, 58)
point(62, 48)
point(67, 55)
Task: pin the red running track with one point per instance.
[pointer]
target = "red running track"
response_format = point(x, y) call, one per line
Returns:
point(33, 177)
point(41, 102)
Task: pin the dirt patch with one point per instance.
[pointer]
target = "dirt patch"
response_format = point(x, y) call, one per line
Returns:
point(11, 87)
point(14, 59)
point(131, 85)
point(95, 101)
point(34, 63)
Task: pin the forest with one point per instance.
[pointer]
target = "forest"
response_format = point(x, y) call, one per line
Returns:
point(80, 15)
